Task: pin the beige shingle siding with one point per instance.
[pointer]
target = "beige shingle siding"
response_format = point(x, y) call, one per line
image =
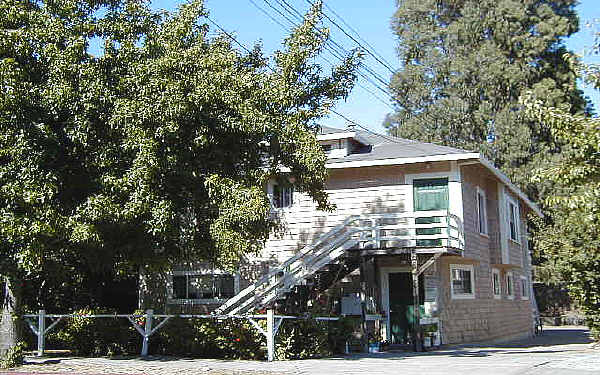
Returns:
point(483, 318)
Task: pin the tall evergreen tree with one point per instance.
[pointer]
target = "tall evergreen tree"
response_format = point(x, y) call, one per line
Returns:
point(464, 65)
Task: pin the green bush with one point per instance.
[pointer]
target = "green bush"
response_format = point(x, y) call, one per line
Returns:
point(209, 338)
point(95, 336)
point(200, 338)
point(13, 357)
point(302, 339)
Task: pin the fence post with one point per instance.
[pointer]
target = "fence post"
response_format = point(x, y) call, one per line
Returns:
point(270, 335)
point(41, 332)
point(147, 332)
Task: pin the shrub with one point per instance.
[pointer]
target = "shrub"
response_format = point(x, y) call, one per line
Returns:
point(209, 338)
point(201, 338)
point(302, 339)
point(14, 356)
point(96, 336)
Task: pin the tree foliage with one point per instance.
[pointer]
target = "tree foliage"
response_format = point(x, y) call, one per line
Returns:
point(132, 137)
point(570, 242)
point(464, 64)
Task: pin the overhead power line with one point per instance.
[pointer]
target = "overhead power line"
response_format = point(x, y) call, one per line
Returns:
point(365, 128)
point(356, 41)
point(274, 71)
point(356, 33)
point(334, 48)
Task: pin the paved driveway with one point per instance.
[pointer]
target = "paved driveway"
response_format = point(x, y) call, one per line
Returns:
point(559, 351)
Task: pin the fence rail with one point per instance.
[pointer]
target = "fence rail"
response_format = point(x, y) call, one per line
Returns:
point(148, 329)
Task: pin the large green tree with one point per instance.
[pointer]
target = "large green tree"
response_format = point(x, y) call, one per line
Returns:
point(157, 146)
point(464, 64)
point(569, 241)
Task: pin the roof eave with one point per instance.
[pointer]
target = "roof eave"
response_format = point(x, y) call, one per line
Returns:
point(506, 181)
point(443, 157)
point(400, 161)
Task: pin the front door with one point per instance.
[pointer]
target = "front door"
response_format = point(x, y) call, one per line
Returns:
point(401, 306)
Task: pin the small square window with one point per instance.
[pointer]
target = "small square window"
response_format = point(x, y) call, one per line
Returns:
point(283, 196)
point(461, 281)
point(496, 289)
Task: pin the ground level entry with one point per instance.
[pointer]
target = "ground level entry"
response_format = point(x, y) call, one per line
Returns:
point(401, 309)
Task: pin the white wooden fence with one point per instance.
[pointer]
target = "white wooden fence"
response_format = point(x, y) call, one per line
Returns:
point(149, 328)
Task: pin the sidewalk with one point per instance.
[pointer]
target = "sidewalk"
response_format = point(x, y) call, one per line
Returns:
point(559, 351)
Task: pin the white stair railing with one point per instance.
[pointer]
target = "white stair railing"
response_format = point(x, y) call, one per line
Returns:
point(357, 231)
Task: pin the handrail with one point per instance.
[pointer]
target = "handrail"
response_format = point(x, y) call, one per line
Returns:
point(292, 271)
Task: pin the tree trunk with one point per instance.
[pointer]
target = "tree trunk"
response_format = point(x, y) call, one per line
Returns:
point(9, 332)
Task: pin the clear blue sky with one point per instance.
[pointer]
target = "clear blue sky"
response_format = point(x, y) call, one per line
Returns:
point(371, 19)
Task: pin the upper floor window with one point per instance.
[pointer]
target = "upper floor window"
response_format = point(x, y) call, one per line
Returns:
point(524, 288)
point(461, 281)
point(510, 286)
point(196, 286)
point(283, 196)
point(481, 212)
point(513, 220)
point(430, 194)
point(496, 283)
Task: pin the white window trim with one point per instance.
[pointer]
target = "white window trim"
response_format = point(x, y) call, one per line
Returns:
point(512, 278)
point(455, 198)
point(496, 271)
point(271, 195)
point(524, 279)
point(485, 233)
point(510, 200)
point(465, 267)
point(201, 301)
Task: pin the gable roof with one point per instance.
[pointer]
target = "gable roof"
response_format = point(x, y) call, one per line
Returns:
point(390, 150)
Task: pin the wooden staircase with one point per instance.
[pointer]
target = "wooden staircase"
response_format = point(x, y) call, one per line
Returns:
point(357, 232)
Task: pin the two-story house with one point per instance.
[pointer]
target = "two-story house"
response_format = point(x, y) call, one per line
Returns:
point(413, 222)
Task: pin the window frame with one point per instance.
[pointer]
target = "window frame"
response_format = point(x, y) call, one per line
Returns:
point(462, 267)
point(496, 272)
point(283, 188)
point(517, 219)
point(510, 292)
point(199, 301)
point(524, 288)
point(481, 194)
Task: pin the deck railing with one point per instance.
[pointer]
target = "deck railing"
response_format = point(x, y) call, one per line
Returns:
point(423, 229)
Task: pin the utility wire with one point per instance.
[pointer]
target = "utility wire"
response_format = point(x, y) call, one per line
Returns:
point(356, 41)
point(269, 15)
point(274, 71)
point(394, 140)
point(355, 32)
point(336, 50)
point(328, 61)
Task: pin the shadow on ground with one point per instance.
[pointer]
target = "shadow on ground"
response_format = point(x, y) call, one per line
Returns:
point(551, 337)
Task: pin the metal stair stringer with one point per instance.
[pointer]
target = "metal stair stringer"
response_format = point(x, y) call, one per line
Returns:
point(327, 249)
